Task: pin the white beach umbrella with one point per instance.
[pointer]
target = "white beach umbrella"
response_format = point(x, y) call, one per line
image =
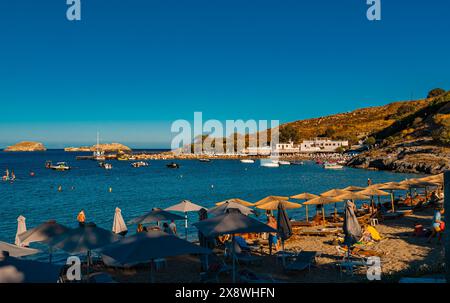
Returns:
point(21, 228)
point(185, 206)
point(17, 251)
point(119, 226)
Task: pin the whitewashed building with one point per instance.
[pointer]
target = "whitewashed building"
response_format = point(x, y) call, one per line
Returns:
point(323, 145)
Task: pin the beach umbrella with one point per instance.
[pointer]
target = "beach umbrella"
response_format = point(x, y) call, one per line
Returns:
point(119, 226)
point(274, 205)
point(306, 197)
point(83, 240)
point(238, 201)
point(232, 223)
point(21, 228)
point(373, 191)
point(27, 271)
point(353, 188)
point(392, 186)
point(333, 193)
point(44, 233)
point(146, 247)
point(17, 251)
point(185, 206)
point(270, 199)
point(322, 201)
point(351, 227)
point(156, 215)
point(230, 206)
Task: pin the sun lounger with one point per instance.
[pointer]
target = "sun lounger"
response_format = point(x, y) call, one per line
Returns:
point(303, 260)
point(217, 266)
point(349, 264)
point(248, 276)
point(320, 233)
point(241, 256)
point(101, 277)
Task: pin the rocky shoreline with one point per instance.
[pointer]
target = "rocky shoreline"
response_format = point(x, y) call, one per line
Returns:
point(425, 159)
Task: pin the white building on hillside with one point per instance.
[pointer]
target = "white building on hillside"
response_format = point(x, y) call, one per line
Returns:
point(324, 145)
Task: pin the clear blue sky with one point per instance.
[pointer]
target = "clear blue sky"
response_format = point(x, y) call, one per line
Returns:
point(130, 68)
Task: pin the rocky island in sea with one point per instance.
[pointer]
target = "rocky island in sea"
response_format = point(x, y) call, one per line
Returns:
point(106, 147)
point(26, 146)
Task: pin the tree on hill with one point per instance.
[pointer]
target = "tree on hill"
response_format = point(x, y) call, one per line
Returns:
point(370, 141)
point(435, 92)
point(289, 133)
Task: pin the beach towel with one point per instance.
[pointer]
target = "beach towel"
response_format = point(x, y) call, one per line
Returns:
point(373, 233)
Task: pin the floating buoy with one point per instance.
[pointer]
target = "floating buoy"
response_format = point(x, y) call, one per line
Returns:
point(60, 188)
point(110, 189)
point(32, 174)
point(212, 185)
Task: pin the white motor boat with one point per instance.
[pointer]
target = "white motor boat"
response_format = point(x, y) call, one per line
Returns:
point(269, 163)
point(248, 161)
point(284, 163)
point(332, 166)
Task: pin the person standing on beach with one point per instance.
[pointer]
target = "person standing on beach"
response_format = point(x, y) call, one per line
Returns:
point(81, 218)
point(273, 239)
point(438, 226)
point(173, 227)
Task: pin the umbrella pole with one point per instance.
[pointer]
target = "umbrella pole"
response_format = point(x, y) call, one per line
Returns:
point(234, 258)
point(186, 225)
point(307, 220)
point(88, 264)
point(372, 204)
point(323, 214)
point(152, 279)
point(392, 200)
point(50, 255)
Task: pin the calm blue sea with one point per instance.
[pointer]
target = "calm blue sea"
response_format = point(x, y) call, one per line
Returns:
point(137, 191)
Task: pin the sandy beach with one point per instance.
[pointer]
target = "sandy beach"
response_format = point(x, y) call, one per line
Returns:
point(402, 255)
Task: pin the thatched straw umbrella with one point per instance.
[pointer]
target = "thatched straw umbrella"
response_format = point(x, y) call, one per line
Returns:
point(270, 199)
point(373, 191)
point(391, 186)
point(236, 200)
point(274, 205)
point(306, 197)
point(322, 201)
point(334, 193)
point(353, 188)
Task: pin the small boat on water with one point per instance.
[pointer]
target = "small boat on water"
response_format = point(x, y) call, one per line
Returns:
point(173, 165)
point(332, 166)
point(139, 164)
point(284, 163)
point(248, 161)
point(269, 163)
point(297, 163)
point(105, 165)
point(204, 160)
point(60, 166)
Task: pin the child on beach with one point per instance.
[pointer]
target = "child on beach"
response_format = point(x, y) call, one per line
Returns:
point(438, 226)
